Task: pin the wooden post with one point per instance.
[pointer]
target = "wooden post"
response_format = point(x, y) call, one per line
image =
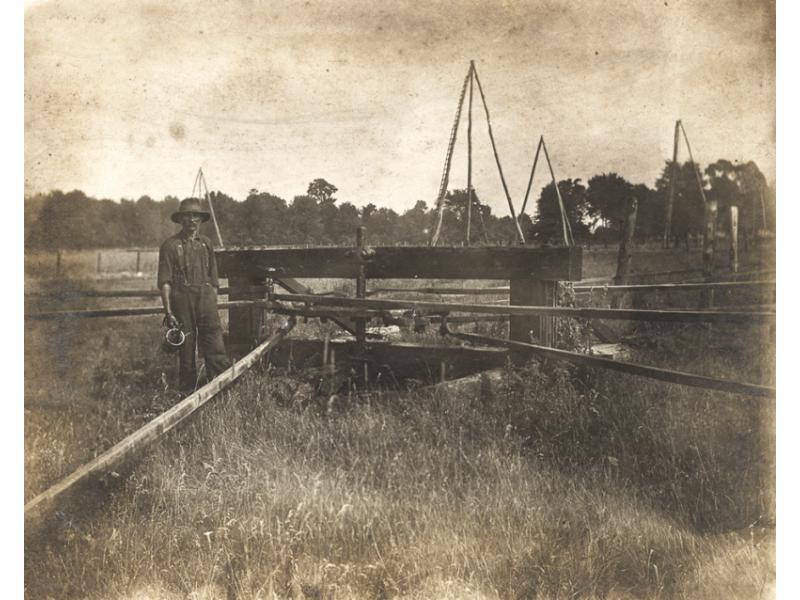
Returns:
point(361, 284)
point(671, 193)
point(532, 292)
point(626, 241)
point(138, 261)
point(58, 262)
point(244, 323)
point(734, 233)
point(99, 261)
point(709, 243)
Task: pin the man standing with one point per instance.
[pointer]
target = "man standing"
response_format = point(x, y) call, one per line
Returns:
point(187, 278)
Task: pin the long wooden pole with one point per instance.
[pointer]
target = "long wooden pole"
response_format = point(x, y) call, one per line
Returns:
point(497, 157)
point(685, 316)
point(140, 439)
point(671, 192)
point(667, 375)
point(469, 154)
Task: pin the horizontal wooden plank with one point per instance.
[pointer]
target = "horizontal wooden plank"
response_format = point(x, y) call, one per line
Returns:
point(136, 442)
point(407, 262)
point(684, 316)
point(65, 315)
point(667, 375)
point(68, 294)
point(677, 287)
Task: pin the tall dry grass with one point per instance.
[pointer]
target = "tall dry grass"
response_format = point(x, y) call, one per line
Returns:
point(566, 484)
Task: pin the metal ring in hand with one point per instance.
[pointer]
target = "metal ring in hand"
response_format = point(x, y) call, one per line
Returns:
point(175, 337)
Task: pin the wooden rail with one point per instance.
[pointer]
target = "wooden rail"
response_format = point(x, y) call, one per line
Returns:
point(667, 375)
point(140, 439)
point(686, 316)
point(501, 290)
point(63, 315)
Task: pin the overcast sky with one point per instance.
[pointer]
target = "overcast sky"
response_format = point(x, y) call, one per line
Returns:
point(129, 98)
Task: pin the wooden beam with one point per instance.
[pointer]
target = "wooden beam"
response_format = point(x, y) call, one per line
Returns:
point(685, 316)
point(63, 315)
point(136, 442)
point(407, 262)
point(667, 375)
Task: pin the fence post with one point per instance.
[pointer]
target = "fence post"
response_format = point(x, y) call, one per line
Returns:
point(361, 283)
point(709, 243)
point(734, 233)
point(526, 291)
point(626, 241)
point(244, 323)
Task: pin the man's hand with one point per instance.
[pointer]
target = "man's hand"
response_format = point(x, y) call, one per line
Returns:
point(171, 322)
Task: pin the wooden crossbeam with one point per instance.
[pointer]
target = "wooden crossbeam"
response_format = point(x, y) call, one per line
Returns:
point(406, 262)
point(667, 375)
point(685, 316)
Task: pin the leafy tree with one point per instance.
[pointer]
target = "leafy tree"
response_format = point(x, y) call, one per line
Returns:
point(546, 227)
point(322, 191)
point(607, 198)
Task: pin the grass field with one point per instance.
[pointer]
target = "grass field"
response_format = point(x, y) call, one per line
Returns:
point(567, 483)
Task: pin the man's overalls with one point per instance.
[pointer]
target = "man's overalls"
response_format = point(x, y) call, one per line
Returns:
point(194, 304)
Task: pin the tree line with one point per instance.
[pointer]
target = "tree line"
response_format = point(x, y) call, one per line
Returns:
point(595, 210)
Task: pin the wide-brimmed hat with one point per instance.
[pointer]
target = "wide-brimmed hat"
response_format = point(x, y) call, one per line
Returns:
point(188, 207)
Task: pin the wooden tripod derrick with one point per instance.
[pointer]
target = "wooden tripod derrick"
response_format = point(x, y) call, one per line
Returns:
point(472, 77)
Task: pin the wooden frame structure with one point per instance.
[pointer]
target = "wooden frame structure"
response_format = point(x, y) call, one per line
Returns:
point(533, 274)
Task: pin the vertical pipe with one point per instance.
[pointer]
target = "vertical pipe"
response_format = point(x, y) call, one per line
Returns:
point(469, 155)
point(672, 179)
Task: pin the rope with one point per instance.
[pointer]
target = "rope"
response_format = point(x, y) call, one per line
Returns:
point(497, 158)
point(447, 161)
point(566, 228)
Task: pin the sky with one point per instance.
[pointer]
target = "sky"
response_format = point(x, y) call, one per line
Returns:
point(124, 99)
